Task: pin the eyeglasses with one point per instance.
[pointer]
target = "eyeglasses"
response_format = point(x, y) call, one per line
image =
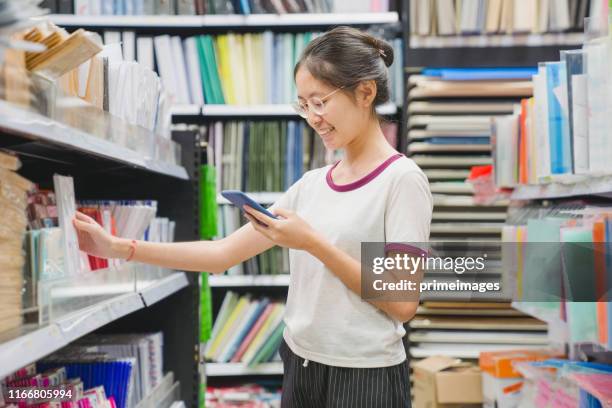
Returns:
point(315, 105)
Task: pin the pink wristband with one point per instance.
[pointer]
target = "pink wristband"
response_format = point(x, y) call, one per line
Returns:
point(132, 251)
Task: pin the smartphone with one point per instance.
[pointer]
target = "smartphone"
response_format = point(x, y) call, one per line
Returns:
point(239, 199)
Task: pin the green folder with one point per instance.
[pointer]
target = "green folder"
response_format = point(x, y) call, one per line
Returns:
point(208, 230)
point(269, 347)
point(204, 71)
point(214, 69)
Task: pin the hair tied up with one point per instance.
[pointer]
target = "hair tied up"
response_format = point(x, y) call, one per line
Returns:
point(382, 53)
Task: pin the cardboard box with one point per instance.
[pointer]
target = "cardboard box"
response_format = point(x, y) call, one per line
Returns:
point(444, 382)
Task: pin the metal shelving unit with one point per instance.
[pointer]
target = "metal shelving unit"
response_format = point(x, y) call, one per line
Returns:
point(227, 21)
point(237, 369)
point(565, 187)
point(236, 281)
point(32, 343)
point(284, 110)
point(24, 124)
point(104, 170)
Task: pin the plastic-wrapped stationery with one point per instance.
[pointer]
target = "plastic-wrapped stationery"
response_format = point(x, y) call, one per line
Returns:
point(66, 209)
point(597, 55)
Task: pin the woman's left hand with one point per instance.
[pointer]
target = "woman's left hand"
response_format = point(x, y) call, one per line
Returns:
point(290, 231)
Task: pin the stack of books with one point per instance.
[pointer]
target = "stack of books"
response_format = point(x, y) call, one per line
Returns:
point(232, 68)
point(246, 330)
point(191, 7)
point(263, 155)
point(450, 112)
point(450, 17)
point(562, 133)
point(13, 224)
point(464, 329)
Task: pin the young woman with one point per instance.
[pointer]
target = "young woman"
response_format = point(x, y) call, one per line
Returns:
point(338, 350)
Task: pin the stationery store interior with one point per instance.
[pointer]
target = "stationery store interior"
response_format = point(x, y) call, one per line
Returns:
point(124, 123)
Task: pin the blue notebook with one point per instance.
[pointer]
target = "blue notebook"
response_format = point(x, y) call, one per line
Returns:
point(476, 74)
point(558, 118)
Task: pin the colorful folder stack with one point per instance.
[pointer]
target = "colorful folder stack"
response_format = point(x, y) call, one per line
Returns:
point(246, 330)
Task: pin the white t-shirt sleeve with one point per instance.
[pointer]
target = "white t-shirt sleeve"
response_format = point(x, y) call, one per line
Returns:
point(408, 212)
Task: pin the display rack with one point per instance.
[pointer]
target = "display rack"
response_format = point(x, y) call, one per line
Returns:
point(233, 281)
point(104, 170)
point(227, 21)
point(566, 187)
point(31, 343)
point(232, 370)
point(284, 110)
point(26, 124)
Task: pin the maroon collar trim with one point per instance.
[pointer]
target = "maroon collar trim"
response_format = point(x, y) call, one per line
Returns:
point(362, 181)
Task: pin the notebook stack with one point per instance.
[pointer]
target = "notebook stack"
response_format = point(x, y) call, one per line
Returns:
point(13, 224)
point(264, 155)
point(450, 113)
point(232, 68)
point(465, 329)
point(271, 262)
point(448, 17)
point(246, 330)
point(562, 133)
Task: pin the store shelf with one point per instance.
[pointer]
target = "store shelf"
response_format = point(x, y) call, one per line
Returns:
point(467, 57)
point(467, 228)
point(32, 343)
point(451, 187)
point(259, 197)
point(283, 110)
point(29, 125)
point(467, 351)
point(466, 216)
point(464, 201)
point(485, 41)
point(186, 110)
point(155, 291)
point(568, 186)
point(236, 369)
point(248, 280)
point(227, 21)
point(85, 321)
point(27, 346)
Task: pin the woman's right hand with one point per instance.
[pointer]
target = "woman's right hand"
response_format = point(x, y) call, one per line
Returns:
point(94, 240)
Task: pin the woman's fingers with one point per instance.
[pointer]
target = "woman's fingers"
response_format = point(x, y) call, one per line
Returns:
point(82, 225)
point(258, 225)
point(262, 218)
point(282, 212)
point(85, 218)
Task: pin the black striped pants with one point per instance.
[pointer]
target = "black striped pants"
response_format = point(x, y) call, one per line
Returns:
point(314, 385)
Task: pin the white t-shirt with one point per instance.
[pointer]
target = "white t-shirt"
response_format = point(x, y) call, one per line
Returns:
point(325, 321)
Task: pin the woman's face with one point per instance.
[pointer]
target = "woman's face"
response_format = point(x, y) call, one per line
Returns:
point(342, 117)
